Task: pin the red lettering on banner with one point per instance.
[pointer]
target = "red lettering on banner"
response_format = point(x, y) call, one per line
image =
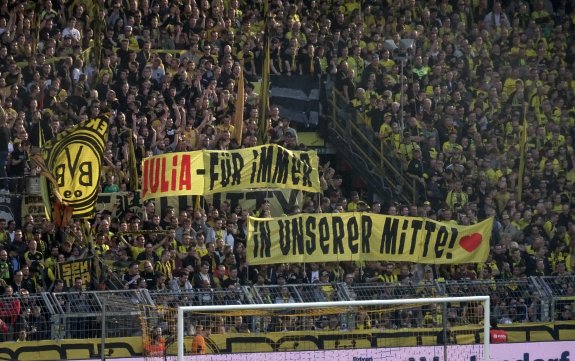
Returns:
point(165, 185)
point(156, 179)
point(185, 174)
point(154, 175)
point(174, 172)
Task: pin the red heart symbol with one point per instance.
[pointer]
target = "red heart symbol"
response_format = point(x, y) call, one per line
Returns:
point(471, 242)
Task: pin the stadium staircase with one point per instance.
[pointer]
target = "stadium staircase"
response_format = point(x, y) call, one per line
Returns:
point(375, 163)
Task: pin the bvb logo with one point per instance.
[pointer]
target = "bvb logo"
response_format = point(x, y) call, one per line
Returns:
point(75, 163)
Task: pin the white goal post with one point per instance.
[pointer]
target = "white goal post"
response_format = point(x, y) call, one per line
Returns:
point(485, 300)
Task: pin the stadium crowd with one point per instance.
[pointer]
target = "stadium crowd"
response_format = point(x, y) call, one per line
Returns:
point(166, 72)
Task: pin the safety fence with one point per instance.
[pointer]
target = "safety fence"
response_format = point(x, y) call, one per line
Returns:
point(70, 315)
point(561, 291)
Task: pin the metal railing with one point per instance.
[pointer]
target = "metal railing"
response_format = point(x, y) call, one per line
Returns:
point(512, 301)
point(385, 291)
point(562, 296)
point(298, 293)
point(204, 297)
point(348, 127)
point(119, 313)
point(97, 313)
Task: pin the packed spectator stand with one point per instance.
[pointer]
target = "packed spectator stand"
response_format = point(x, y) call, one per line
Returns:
point(165, 72)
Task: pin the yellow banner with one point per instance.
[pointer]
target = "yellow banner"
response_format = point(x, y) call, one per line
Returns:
point(117, 204)
point(365, 237)
point(208, 172)
point(68, 271)
point(132, 346)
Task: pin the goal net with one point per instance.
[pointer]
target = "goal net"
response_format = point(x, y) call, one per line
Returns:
point(450, 328)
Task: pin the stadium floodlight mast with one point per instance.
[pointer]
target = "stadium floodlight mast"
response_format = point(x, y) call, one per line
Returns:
point(485, 300)
point(404, 44)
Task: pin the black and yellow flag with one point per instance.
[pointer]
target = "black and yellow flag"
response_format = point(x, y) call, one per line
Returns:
point(44, 187)
point(265, 83)
point(239, 110)
point(71, 162)
point(133, 163)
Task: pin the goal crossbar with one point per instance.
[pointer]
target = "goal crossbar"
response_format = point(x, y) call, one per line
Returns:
point(401, 301)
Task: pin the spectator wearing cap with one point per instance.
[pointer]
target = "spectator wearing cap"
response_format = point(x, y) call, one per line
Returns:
point(128, 35)
point(325, 276)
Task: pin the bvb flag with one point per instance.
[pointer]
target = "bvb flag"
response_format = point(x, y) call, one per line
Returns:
point(265, 83)
point(44, 187)
point(71, 163)
point(132, 163)
point(239, 110)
